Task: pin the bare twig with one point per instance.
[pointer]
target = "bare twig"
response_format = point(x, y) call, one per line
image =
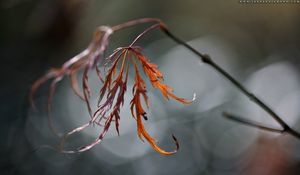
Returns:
point(250, 122)
point(206, 59)
point(258, 125)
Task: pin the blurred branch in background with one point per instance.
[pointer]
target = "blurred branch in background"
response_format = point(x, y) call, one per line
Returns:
point(286, 128)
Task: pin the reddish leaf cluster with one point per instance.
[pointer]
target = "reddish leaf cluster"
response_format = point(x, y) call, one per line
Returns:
point(111, 95)
point(139, 89)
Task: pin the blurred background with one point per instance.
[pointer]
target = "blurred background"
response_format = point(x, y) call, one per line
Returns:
point(257, 43)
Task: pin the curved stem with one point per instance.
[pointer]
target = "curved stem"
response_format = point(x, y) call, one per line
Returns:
point(135, 22)
point(144, 32)
point(206, 59)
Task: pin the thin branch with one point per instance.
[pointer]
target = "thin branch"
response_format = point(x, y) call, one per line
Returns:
point(135, 22)
point(250, 122)
point(143, 33)
point(207, 59)
point(258, 125)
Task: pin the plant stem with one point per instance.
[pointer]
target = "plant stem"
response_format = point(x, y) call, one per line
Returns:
point(206, 59)
point(259, 125)
point(143, 33)
point(249, 122)
point(135, 22)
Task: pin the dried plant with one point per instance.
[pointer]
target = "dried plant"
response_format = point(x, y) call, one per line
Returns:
point(111, 95)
